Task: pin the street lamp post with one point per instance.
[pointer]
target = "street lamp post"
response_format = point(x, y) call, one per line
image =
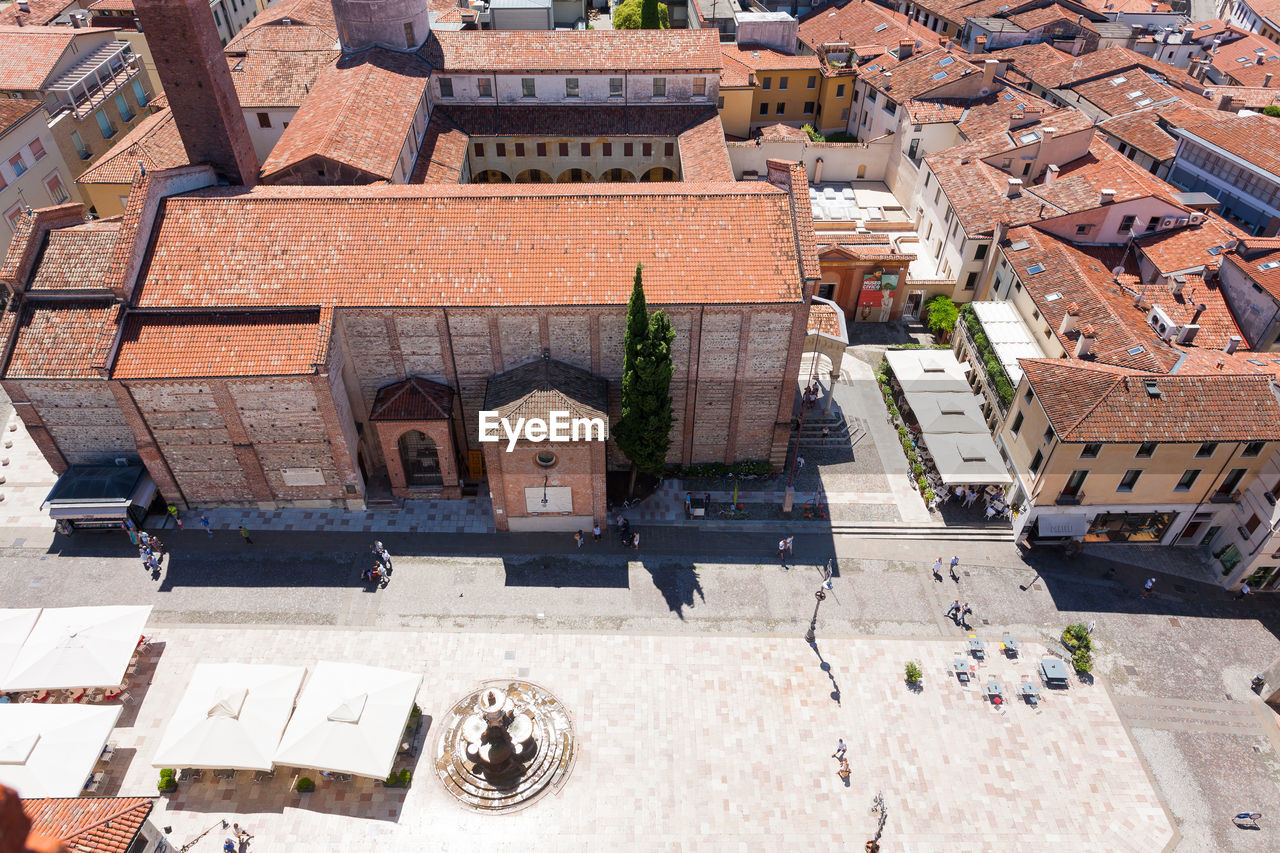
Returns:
point(809, 636)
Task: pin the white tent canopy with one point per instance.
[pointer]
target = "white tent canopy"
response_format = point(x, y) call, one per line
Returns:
point(928, 370)
point(947, 413)
point(50, 750)
point(963, 459)
point(77, 647)
point(231, 717)
point(1008, 336)
point(15, 625)
point(349, 719)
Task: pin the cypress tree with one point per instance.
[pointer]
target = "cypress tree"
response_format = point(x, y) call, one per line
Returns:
point(644, 432)
point(649, 19)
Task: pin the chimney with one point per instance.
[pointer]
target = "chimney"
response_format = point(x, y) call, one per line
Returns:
point(1050, 174)
point(1266, 81)
point(1200, 309)
point(980, 44)
point(904, 49)
point(779, 173)
point(75, 22)
point(944, 43)
point(989, 67)
point(1176, 283)
point(1231, 345)
point(1108, 196)
point(1155, 7)
point(197, 80)
point(1225, 104)
point(1084, 343)
point(1015, 188)
point(24, 6)
point(1187, 333)
point(817, 171)
point(1068, 324)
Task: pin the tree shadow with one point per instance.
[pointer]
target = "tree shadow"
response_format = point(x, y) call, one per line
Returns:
point(595, 572)
point(678, 583)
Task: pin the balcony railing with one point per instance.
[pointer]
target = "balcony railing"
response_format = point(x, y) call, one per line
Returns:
point(1225, 498)
point(1065, 499)
point(91, 81)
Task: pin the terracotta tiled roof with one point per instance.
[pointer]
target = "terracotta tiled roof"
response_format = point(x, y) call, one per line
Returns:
point(1245, 97)
point(1122, 93)
point(1146, 129)
point(15, 110)
point(1126, 6)
point(1095, 403)
point(152, 143)
point(977, 189)
point(703, 155)
point(734, 72)
point(359, 113)
point(1189, 248)
point(877, 249)
point(77, 258)
point(759, 58)
point(42, 12)
point(920, 74)
point(1051, 68)
point(89, 824)
point(1255, 138)
point(1199, 30)
point(413, 399)
point(1034, 18)
point(615, 51)
point(823, 320)
point(976, 117)
point(538, 388)
point(862, 23)
point(783, 133)
point(28, 55)
point(278, 78)
point(1267, 279)
point(1249, 60)
point(305, 25)
point(810, 268)
point(112, 5)
point(63, 340)
point(443, 154)
point(473, 245)
point(279, 343)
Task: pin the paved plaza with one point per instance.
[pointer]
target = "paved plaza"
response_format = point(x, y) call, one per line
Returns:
point(709, 743)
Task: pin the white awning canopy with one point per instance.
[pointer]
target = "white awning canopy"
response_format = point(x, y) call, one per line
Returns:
point(1008, 335)
point(349, 719)
point(50, 750)
point(967, 459)
point(928, 370)
point(73, 647)
point(15, 626)
point(231, 717)
point(947, 412)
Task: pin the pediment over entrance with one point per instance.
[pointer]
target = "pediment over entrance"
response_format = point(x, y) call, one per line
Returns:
point(413, 399)
point(536, 389)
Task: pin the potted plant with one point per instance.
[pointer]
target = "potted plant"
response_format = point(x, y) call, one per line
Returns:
point(1082, 660)
point(914, 675)
point(305, 785)
point(168, 781)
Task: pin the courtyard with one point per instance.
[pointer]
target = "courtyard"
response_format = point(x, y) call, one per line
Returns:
point(691, 742)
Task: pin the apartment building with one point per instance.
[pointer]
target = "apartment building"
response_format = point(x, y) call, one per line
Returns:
point(1250, 280)
point(785, 88)
point(1256, 16)
point(32, 171)
point(1236, 160)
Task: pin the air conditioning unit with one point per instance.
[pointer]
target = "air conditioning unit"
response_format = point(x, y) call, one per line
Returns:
point(1180, 221)
point(1197, 218)
point(1161, 322)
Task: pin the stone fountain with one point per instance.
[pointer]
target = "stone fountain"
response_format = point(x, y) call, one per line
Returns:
point(504, 745)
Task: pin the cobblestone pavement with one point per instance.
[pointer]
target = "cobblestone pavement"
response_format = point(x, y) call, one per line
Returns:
point(697, 742)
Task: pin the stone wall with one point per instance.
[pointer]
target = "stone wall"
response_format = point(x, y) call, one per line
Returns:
point(72, 423)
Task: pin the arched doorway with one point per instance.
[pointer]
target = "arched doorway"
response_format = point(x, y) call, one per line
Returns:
point(491, 176)
point(533, 176)
point(659, 174)
point(619, 176)
point(420, 460)
point(574, 176)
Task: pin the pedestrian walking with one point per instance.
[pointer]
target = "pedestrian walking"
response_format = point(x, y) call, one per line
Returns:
point(964, 614)
point(635, 540)
point(826, 433)
point(577, 537)
point(791, 545)
point(799, 464)
point(204, 522)
point(937, 569)
point(617, 520)
point(244, 534)
point(240, 832)
point(172, 509)
point(384, 557)
point(782, 553)
point(156, 547)
point(953, 609)
point(1244, 590)
point(1146, 588)
point(595, 532)
point(152, 563)
point(688, 504)
point(841, 749)
point(133, 535)
point(955, 561)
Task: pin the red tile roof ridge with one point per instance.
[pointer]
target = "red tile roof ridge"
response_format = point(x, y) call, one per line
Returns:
point(57, 817)
point(436, 191)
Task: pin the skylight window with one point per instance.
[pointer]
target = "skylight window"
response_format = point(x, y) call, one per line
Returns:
point(1116, 81)
point(1259, 50)
point(1030, 136)
point(1136, 93)
point(1201, 27)
point(1152, 387)
point(939, 75)
point(1215, 250)
point(1242, 59)
point(1256, 361)
point(1035, 269)
point(1144, 102)
point(1018, 246)
point(1002, 8)
point(1053, 297)
point(1135, 350)
point(1269, 265)
point(881, 28)
point(946, 60)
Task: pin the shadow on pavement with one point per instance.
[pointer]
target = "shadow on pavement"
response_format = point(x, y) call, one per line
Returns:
point(678, 584)
point(609, 573)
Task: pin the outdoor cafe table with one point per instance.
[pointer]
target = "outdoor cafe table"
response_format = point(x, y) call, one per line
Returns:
point(978, 648)
point(1031, 692)
point(994, 689)
point(963, 670)
point(1054, 671)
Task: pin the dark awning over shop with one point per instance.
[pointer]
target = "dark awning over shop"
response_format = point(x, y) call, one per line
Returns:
point(100, 492)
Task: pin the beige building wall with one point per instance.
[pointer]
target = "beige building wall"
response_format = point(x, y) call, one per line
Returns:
point(735, 110)
point(45, 179)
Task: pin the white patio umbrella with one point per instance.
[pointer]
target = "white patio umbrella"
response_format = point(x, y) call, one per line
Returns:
point(231, 717)
point(50, 750)
point(77, 647)
point(15, 625)
point(349, 719)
